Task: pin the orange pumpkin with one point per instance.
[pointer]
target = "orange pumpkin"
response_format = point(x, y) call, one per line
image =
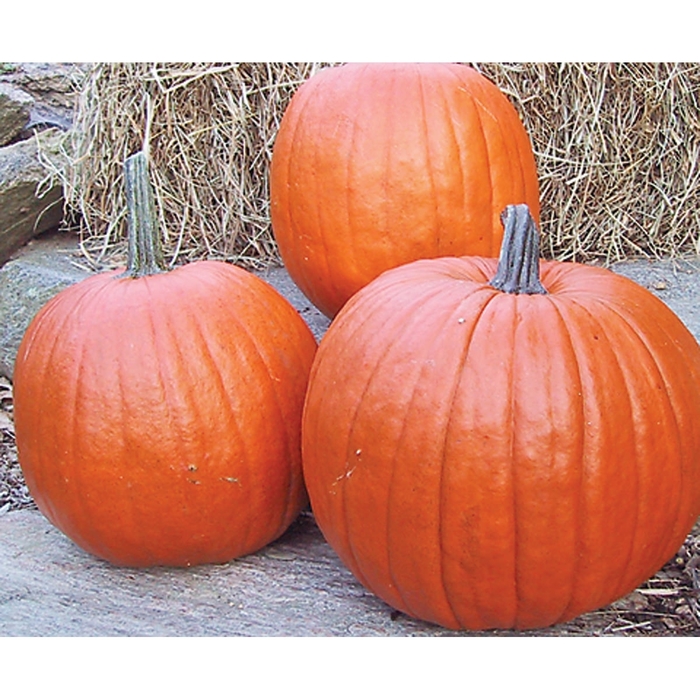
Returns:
point(376, 165)
point(158, 413)
point(482, 458)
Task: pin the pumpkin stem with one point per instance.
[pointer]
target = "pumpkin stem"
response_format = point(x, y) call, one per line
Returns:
point(145, 256)
point(519, 262)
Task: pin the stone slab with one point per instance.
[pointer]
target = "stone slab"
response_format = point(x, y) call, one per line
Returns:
point(293, 587)
point(15, 109)
point(52, 87)
point(676, 281)
point(29, 203)
point(43, 267)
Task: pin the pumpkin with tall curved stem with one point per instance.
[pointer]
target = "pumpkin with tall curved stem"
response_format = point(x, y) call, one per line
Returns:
point(158, 412)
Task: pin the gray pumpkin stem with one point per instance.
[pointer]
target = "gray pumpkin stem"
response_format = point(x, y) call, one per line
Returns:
point(519, 261)
point(145, 256)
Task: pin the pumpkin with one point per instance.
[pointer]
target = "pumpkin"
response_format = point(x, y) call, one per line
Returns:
point(158, 412)
point(489, 445)
point(375, 165)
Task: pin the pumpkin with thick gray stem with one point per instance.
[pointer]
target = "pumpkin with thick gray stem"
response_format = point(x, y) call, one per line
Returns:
point(504, 445)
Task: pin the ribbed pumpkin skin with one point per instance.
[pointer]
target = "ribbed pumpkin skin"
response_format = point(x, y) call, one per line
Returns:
point(376, 165)
point(487, 460)
point(158, 419)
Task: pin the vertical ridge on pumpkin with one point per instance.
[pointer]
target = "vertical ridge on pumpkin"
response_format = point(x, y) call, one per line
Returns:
point(509, 182)
point(683, 405)
point(322, 251)
point(385, 208)
point(283, 427)
point(370, 413)
point(73, 382)
point(329, 495)
point(689, 469)
point(668, 403)
point(73, 477)
point(546, 452)
point(134, 531)
point(430, 167)
point(291, 422)
point(224, 400)
point(161, 385)
point(478, 213)
point(365, 164)
point(511, 421)
point(637, 456)
point(454, 580)
point(133, 353)
point(277, 419)
point(31, 370)
point(411, 495)
point(610, 450)
point(477, 499)
point(78, 490)
point(577, 458)
point(495, 243)
point(282, 186)
point(460, 189)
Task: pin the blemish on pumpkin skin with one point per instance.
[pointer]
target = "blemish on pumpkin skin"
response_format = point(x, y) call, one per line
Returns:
point(348, 473)
point(231, 480)
point(349, 470)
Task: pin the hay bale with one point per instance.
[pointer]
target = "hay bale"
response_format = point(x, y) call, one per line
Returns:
point(210, 128)
point(617, 147)
point(618, 154)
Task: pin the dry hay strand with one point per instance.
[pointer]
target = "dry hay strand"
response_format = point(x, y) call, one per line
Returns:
point(617, 148)
point(210, 130)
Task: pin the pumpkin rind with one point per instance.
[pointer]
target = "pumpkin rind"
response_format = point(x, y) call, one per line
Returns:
point(487, 460)
point(158, 413)
point(376, 165)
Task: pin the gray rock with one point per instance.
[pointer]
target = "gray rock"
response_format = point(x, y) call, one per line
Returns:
point(29, 202)
point(279, 278)
point(295, 586)
point(676, 281)
point(15, 109)
point(54, 86)
point(44, 267)
point(37, 102)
